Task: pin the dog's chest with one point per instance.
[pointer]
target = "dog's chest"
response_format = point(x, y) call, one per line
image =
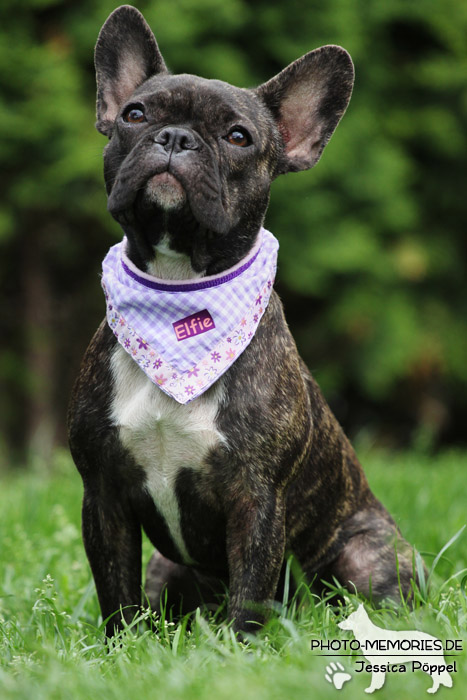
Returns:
point(163, 436)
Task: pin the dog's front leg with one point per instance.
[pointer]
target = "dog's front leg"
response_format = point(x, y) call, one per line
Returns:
point(255, 549)
point(112, 539)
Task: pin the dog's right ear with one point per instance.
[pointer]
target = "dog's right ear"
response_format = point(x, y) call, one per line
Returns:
point(126, 55)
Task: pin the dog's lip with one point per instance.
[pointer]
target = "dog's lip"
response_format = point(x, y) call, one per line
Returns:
point(164, 178)
point(165, 190)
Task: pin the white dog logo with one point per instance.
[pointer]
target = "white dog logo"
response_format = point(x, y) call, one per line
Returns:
point(373, 638)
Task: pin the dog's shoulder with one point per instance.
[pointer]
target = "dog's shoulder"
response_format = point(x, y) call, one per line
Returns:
point(87, 415)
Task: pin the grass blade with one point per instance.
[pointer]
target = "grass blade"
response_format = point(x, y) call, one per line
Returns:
point(453, 539)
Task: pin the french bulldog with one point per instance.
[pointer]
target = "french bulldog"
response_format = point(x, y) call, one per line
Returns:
point(256, 466)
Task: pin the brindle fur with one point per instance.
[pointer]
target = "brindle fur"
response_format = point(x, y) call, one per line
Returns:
point(285, 479)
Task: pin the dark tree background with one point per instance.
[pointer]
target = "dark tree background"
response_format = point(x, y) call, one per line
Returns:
point(372, 259)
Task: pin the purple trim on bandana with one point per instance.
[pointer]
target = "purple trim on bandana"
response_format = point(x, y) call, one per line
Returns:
point(180, 286)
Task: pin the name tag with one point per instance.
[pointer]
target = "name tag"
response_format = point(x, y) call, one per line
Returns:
point(200, 322)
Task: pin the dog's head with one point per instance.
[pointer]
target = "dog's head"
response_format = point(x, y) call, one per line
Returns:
point(190, 160)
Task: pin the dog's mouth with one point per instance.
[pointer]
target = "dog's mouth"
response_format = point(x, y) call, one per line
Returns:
point(138, 197)
point(165, 191)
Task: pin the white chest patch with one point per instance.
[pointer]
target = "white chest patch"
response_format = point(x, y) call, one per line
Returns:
point(162, 435)
point(167, 264)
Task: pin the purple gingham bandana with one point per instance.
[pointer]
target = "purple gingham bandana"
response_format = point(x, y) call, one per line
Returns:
point(185, 334)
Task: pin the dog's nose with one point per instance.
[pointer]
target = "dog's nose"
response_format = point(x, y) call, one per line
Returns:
point(176, 139)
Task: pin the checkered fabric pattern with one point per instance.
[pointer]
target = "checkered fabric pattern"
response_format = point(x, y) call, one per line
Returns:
point(141, 310)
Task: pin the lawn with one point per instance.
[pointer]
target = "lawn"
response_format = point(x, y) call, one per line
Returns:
point(51, 642)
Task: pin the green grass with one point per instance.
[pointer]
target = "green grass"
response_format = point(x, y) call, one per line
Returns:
point(51, 641)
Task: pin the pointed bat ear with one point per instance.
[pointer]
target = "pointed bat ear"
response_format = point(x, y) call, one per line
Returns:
point(126, 55)
point(307, 100)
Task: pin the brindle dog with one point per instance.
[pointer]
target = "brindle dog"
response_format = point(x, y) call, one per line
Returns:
point(257, 466)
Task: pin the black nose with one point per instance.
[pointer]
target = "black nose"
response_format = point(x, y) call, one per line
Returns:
point(175, 139)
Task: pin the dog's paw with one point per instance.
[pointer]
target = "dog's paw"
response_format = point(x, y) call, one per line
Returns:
point(337, 675)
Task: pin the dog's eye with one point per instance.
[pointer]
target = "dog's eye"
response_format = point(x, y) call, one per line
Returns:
point(239, 137)
point(134, 114)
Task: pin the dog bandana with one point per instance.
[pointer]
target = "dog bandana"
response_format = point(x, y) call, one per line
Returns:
point(185, 334)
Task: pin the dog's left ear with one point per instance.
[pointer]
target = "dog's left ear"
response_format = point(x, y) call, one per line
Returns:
point(126, 55)
point(308, 99)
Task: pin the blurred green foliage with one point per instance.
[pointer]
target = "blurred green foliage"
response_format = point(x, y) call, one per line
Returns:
point(372, 259)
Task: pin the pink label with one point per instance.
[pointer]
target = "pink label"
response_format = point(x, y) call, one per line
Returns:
point(200, 322)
